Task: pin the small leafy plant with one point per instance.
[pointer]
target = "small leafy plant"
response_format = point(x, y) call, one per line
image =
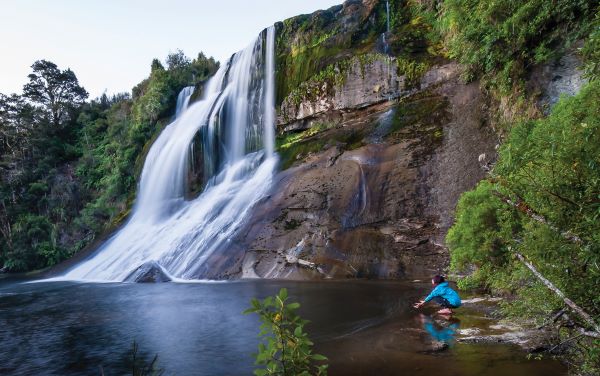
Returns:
point(286, 348)
point(141, 367)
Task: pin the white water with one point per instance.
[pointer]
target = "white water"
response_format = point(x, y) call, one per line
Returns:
point(236, 122)
point(387, 13)
point(384, 41)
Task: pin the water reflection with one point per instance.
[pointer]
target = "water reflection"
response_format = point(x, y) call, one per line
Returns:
point(441, 330)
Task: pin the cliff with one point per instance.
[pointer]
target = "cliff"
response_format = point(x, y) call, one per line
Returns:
point(372, 192)
point(376, 149)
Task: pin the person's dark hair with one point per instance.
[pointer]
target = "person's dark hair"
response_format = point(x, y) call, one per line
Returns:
point(438, 279)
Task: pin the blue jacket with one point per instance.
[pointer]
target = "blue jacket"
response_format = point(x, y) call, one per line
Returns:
point(444, 291)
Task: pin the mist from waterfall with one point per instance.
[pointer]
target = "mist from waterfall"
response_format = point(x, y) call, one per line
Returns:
point(235, 122)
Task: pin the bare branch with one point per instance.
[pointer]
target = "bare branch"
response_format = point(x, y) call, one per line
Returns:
point(578, 310)
point(521, 206)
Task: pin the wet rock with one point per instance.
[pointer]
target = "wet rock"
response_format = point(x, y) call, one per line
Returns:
point(148, 272)
point(369, 209)
point(365, 83)
point(481, 299)
point(469, 331)
point(436, 347)
point(517, 338)
point(560, 77)
point(479, 312)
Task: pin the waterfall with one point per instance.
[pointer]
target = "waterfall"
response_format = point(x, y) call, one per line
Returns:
point(386, 47)
point(270, 93)
point(387, 13)
point(235, 121)
point(183, 99)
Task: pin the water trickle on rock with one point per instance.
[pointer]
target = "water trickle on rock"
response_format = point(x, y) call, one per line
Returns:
point(235, 122)
point(386, 47)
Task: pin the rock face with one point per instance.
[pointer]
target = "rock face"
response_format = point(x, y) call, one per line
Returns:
point(375, 151)
point(363, 82)
point(374, 195)
point(562, 76)
point(148, 272)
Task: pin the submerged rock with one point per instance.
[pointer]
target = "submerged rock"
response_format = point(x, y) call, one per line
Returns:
point(148, 272)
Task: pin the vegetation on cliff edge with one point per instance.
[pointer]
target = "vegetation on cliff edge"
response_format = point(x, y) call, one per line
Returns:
point(68, 168)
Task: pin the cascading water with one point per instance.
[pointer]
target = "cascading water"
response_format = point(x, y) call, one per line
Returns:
point(235, 121)
point(386, 47)
point(387, 14)
point(183, 99)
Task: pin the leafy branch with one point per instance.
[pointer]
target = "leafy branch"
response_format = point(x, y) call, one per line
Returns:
point(286, 348)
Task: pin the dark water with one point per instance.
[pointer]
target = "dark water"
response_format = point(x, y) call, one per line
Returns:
point(365, 328)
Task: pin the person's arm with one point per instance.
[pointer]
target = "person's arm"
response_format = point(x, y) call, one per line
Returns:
point(427, 298)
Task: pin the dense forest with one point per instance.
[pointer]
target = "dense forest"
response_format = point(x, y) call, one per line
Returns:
point(69, 166)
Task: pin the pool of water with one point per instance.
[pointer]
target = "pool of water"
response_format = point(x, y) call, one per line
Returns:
point(365, 328)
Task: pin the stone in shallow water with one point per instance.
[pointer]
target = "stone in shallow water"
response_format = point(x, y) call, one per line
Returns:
point(148, 272)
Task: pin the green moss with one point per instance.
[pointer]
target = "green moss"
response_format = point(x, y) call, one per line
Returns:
point(308, 44)
point(413, 70)
point(295, 146)
point(292, 224)
point(316, 48)
point(420, 116)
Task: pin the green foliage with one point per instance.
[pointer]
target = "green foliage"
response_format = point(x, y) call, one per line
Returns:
point(499, 40)
point(141, 367)
point(317, 47)
point(69, 168)
point(550, 169)
point(57, 92)
point(481, 228)
point(39, 137)
point(287, 350)
point(591, 50)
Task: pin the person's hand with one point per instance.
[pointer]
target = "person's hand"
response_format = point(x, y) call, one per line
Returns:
point(419, 304)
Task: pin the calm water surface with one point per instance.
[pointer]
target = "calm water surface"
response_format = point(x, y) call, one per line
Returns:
point(365, 328)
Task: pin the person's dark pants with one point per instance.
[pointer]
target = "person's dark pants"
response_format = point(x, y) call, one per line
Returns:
point(442, 302)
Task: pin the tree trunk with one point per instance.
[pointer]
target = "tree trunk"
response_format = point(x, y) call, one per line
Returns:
point(525, 209)
point(578, 310)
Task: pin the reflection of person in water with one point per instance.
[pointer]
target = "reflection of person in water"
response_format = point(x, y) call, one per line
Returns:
point(440, 333)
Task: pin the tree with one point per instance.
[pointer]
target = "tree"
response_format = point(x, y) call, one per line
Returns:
point(15, 119)
point(56, 92)
point(177, 60)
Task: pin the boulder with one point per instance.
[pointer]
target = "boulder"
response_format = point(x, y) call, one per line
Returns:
point(149, 272)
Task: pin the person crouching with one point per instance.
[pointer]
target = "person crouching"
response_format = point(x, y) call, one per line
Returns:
point(443, 295)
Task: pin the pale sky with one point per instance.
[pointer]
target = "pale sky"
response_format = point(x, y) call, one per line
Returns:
point(109, 44)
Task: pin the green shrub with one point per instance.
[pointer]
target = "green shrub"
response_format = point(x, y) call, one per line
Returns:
point(287, 349)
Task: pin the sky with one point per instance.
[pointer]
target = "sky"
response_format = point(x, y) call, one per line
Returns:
point(109, 44)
